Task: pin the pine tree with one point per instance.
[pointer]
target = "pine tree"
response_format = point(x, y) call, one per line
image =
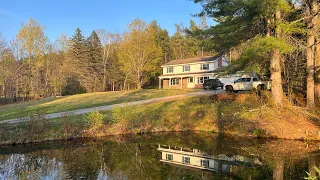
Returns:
point(163, 41)
point(267, 22)
point(79, 56)
point(95, 61)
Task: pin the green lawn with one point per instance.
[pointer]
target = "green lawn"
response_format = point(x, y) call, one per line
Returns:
point(68, 103)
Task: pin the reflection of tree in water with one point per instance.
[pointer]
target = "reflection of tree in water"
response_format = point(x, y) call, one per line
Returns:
point(19, 166)
point(82, 162)
point(136, 157)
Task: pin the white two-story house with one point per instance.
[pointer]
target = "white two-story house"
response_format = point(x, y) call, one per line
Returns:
point(191, 72)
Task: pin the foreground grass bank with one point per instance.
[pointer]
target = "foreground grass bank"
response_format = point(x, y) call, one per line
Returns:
point(88, 100)
point(243, 114)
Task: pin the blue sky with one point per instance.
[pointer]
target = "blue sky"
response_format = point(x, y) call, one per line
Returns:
point(64, 16)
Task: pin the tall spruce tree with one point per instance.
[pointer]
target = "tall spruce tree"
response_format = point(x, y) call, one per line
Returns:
point(95, 65)
point(79, 56)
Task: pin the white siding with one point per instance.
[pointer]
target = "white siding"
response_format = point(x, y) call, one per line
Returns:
point(194, 68)
point(225, 62)
point(194, 160)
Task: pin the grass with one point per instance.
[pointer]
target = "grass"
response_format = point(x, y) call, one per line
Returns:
point(68, 103)
point(242, 114)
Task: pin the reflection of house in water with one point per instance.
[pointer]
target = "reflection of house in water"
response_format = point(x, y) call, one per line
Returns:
point(194, 158)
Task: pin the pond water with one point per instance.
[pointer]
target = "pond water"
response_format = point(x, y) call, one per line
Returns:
point(188, 155)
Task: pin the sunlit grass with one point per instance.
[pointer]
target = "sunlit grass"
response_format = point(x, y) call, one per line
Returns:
point(88, 100)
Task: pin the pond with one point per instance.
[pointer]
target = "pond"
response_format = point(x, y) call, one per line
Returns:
point(187, 155)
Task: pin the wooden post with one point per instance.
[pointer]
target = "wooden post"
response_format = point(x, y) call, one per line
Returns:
point(181, 83)
point(159, 83)
point(170, 83)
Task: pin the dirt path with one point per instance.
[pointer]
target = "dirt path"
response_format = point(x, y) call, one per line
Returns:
point(108, 107)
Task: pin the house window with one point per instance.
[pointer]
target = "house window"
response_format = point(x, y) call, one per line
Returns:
point(186, 68)
point(201, 79)
point(174, 82)
point(169, 157)
point(190, 80)
point(204, 67)
point(169, 69)
point(185, 160)
point(204, 163)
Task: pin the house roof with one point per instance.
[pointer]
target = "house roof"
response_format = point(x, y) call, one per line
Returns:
point(192, 60)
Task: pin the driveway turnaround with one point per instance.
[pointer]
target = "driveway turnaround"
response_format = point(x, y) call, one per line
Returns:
point(108, 107)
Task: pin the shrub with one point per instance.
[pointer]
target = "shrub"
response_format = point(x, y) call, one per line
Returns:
point(36, 124)
point(69, 126)
point(95, 119)
point(73, 87)
point(257, 132)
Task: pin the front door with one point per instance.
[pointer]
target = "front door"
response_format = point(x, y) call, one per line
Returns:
point(190, 82)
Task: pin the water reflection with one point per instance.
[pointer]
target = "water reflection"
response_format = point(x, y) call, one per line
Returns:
point(190, 156)
point(197, 159)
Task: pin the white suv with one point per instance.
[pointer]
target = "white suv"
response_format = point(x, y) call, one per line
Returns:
point(247, 84)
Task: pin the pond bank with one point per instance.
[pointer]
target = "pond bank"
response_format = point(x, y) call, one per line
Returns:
point(236, 114)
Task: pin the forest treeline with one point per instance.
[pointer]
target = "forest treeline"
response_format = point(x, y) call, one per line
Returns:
point(33, 67)
point(276, 37)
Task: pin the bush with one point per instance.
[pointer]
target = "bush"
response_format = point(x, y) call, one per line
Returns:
point(35, 126)
point(95, 119)
point(258, 132)
point(70, 127)
point(73, 87)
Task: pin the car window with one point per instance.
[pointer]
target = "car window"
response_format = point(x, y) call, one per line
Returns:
point(240, 80)
point(248, 79)
point(255, 79)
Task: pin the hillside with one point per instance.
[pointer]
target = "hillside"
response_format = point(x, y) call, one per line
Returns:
point(80, 101)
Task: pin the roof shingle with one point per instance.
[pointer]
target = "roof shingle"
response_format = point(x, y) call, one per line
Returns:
point(192, 60)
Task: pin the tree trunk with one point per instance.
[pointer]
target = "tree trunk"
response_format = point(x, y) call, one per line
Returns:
point(275, 70)
point(139, 79)
point(312, 165)
point(317, 56)
point(310, 55)
point(278, 169)
point(104, 76)
point(125, 82)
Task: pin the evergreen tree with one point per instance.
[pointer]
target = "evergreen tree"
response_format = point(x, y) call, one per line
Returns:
point(267, 22)
point(79, 56)
point(95, 61)
point(163, 41)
